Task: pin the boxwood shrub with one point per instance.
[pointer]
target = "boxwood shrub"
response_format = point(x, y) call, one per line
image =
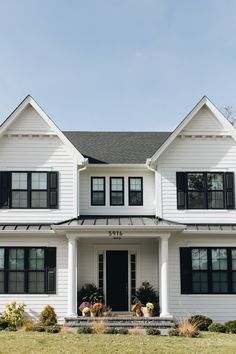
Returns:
point(84, 330)
point(217, 327)
point(230, 326)
point(203, 322)
point(153, 332)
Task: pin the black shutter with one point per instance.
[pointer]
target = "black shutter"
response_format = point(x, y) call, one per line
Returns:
point(181, 186)
point(185, 270)
point(53, 190)
point(5, 189)
point(229, 190)
point(51, 255)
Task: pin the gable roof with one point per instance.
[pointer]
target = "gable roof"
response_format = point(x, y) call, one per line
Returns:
point(117, 147)
point(28, 100)
point(203, 102)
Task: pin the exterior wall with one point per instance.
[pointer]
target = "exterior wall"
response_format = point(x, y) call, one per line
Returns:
point(40, 153)
point(218, 307)
point(36, 303)
point(148, 207)
point(204, 121)
point(147, 259)
point(195, 154)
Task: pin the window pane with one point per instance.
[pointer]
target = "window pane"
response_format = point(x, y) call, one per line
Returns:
point(234, 281)
point(19, 199)
point(39, 199)
point(196, 181)
point(199, 259)
point(117, 198)
point(219, 259)
point(233, 252)
point(215, 200)
point(215, 181)
point(196, 200)
point(2, 258)
point(36, 282)
point(39, 180)
point(135, 184)
point(16, 259)
point(135, 198)
point(16, 282)
point(98, 184)
point(36, 258)
point(117, 184)
point(98, 198)
point(1, 282)
point(19, 180)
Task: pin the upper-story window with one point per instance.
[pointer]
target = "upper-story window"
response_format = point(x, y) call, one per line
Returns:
point(135, 191)
point(116, 190)
point(205, 190)
point(98, 191)
point(29, 190)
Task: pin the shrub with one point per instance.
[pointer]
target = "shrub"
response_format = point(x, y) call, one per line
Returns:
point(153, 332)
point(84, 330)
point(110, 330)
point(90, 293)
point(173, 332)
point(217, 327)
point(29, 325)
point(230, 326)
point(3, 324)
point(123, 331)
point(203, 322)
point(53, 329)
point(146, 293)
point(48, 316)
point(13, 314)
point(188, 329)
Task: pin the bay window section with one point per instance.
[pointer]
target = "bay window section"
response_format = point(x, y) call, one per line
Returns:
point(117, 191)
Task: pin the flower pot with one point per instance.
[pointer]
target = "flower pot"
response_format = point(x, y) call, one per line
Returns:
point(138, 314)
point(94, 314)
point(86, 314)
point(147, 312)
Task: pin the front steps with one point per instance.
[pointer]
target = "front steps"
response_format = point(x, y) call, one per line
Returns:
point(121, 321)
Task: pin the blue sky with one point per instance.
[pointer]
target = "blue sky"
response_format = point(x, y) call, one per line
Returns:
point(117, 64)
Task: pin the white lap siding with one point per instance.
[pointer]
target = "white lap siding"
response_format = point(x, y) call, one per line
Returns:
point(36, 303)
point(218, 307)
point(40, 154)
point(148, 207)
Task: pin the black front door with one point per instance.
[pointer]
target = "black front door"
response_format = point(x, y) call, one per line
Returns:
point(117, 280)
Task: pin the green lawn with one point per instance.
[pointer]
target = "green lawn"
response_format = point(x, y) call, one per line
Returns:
point(31, 343)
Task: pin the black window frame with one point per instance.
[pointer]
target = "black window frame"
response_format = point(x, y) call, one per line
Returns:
point(141, 191)
point(101, 192)
point(52, 190)
point(183, 191)
point(50, 267)
point(122, 191)
point(187, 271)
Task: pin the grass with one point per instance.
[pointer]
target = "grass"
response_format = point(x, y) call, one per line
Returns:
point(32, 343)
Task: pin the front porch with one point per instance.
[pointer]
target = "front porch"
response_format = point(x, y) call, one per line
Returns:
point(117, 254)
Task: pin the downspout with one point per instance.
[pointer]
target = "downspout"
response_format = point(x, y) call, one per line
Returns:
point(148, 164)
point(85, 165)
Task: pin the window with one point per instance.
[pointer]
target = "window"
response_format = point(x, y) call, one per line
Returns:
point(97, 190)
point(135, 191)
point(133, 276)
point(27, 270)
point(116, 190)
point(205, 190)
point(24, 190)
point(101, 271)
point(208, 270)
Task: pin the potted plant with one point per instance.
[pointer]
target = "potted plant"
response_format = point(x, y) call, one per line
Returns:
point(147, 294)
point(97, 309)
point(85, 308)
point(148, 309)
point(137, 309)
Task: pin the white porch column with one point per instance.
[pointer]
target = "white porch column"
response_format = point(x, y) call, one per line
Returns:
point(164, 276)
point(72, 276)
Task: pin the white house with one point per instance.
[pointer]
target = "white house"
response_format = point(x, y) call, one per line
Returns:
point(117, 209)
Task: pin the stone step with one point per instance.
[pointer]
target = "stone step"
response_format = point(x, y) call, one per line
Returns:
point(128, 322)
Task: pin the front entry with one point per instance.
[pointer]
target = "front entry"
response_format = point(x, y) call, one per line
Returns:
point(117, 280)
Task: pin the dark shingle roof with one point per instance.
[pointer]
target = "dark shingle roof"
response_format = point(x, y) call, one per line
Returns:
point(117, 147)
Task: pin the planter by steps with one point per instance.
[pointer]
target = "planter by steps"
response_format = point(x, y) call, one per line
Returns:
point(146, 312)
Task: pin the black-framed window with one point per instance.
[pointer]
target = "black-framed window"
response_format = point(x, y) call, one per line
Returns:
point(135, 191)
point(27, 270)
point(208, 270)
point(98, 191)
point(205, 190)
point(133, 276)
point(28, 190)
point(116, 190)
point(101, 271)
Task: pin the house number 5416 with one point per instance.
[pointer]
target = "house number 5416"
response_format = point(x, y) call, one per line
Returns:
point(115, 233)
